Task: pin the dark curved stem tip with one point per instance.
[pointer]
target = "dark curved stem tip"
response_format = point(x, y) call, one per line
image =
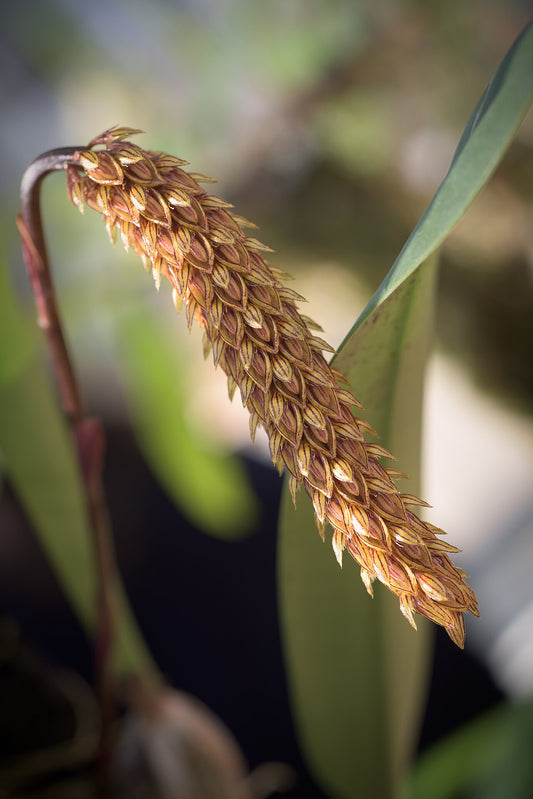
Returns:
point(36, 259)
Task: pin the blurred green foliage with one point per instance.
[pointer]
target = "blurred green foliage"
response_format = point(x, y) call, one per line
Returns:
point(487, 759)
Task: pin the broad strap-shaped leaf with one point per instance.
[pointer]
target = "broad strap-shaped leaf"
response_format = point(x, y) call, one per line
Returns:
point(355, 669)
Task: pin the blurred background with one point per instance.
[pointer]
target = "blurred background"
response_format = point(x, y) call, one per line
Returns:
point(330, 123)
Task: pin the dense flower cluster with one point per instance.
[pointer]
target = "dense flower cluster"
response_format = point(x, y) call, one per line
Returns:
point(270, 352)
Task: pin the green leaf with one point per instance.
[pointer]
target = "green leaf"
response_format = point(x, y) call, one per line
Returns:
point(488, 758)
point(16, 342)
point(211, 487)
point(356, 671)
point(488, 132)
point(39, 461)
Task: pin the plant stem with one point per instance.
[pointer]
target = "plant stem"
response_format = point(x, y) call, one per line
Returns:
point(36, 259)
point(89, 433)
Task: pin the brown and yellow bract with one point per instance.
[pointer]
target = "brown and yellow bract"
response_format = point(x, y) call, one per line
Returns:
point(269, 351)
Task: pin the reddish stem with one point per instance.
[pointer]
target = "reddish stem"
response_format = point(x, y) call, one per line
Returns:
point(89, 433)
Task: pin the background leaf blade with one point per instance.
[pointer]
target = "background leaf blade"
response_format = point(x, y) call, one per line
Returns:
point(39, 461)
point(356, 669)
point(209, 486)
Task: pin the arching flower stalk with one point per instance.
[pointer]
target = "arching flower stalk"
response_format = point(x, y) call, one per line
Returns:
point(269, 351)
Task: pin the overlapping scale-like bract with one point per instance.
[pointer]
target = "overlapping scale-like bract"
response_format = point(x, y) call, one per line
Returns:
point(269, 351)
